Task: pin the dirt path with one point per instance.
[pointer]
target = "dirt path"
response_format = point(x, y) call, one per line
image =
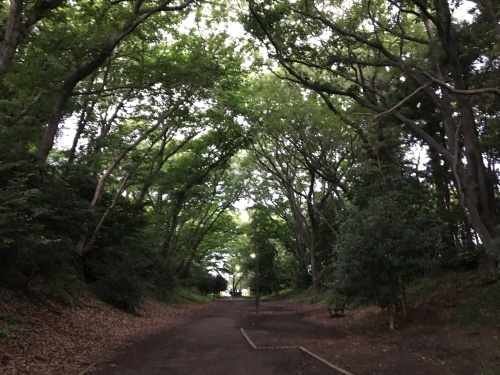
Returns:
point(212, 343)
point(46, 338)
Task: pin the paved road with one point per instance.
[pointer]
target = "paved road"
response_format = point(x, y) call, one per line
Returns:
point(211, 344)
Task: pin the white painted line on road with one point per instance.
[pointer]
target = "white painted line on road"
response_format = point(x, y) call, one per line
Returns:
point(87, 369)
point(296, 347)
point(248, 339)
point(325, 361)
point(276, 347)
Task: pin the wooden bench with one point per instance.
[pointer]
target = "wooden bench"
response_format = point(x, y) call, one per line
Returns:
point(339, 306)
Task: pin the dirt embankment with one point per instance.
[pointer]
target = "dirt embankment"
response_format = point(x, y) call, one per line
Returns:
point(39, 336)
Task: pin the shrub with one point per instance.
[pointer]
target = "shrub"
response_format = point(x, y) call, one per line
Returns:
point(212, 284)
point(121, 290)
point(39, 224)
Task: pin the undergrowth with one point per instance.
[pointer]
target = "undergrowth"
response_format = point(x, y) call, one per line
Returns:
point(465, 298)
point(11, 325)
point(182, 295)
point(471, 302)
point(480, 309)
point(7, 331)
point(325, 297)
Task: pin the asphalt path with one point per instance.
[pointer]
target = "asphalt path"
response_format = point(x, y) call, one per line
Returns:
point(211, 343)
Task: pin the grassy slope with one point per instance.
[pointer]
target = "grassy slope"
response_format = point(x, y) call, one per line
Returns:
point(459, 298)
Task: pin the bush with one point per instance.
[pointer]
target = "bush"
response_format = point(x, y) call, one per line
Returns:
point(39, 224)
point(462, 256)
point(388, 237)
point(212, 284)
point(121, 290)
point(125, 272)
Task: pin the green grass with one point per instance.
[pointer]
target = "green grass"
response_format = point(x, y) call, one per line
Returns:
point(12, 325)
point(472, 303)
point(368, 324)
point(326, 297)
point(469, 300)
point(444, 289)
point(9, 318)
point(182, 295)
point(7, 331)
point(482, 308)
point(288, 294)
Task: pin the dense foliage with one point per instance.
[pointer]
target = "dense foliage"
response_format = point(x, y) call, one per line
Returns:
point(133, 131)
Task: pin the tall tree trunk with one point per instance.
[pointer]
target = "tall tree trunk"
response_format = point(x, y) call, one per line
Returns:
point(392, 310)
point(16, 28)
point(84, 247)
point(313, 235)
point(11, 35)
point(491, 13)
point(306, 235)
point(442, 195)
point(404, 303)
point(476, 193)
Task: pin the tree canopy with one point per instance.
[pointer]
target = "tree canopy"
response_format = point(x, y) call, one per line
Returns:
point(135, 134)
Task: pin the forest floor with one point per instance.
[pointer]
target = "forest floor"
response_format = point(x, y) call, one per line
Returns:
point(43, 337)
point(361, 343)
point(39, 336)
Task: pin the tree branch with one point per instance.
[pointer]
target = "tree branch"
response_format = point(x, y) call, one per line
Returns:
point(389, 111)
point(486, 90)
point(164, 7)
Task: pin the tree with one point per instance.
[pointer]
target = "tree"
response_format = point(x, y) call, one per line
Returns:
point(155, 107)
point(389, 235)
point(212, 284)
point(302, 151)
point(363, 50)
point(16, 25)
